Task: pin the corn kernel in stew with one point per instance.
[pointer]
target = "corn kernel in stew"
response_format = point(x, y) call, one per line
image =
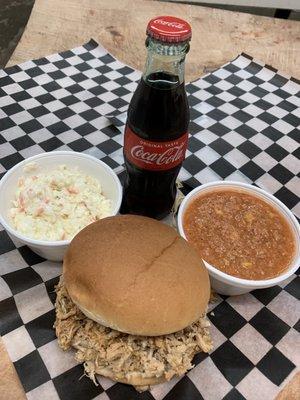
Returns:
point(239, 234)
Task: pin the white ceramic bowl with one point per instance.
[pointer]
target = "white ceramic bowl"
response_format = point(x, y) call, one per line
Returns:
point(111, 186)
point(229, 285)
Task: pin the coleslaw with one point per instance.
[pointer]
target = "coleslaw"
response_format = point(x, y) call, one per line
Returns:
point(57, 204)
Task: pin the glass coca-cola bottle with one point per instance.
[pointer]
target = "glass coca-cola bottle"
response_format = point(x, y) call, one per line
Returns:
point(156, 130)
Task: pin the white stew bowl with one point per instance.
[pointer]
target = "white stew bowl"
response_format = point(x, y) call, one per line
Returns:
point(230, 285)
point(111, 188)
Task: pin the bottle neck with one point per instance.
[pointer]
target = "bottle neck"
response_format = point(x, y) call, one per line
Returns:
point(165, 58)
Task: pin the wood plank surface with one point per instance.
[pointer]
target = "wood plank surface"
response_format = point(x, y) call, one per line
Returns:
point(218, 37)
point(292, 390)
point(10, 386)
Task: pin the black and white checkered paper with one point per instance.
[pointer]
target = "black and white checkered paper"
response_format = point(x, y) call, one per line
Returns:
point(244, 126)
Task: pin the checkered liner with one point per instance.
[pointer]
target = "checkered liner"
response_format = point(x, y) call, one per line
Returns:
point(245, 119)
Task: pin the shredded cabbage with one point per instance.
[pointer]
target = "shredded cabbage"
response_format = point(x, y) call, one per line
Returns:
point(57, 204)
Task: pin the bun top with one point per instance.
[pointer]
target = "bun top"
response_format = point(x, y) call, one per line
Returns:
point(136, 275)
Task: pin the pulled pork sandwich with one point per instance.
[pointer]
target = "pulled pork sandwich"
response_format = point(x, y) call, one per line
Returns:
point(132, 301)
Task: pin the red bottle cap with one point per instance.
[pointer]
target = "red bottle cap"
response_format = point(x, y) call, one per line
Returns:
point(169, 29)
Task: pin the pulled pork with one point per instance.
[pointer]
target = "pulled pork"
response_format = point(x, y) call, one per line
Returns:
point(111, 353)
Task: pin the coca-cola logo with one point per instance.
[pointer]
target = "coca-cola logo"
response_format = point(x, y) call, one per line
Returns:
point(169, 156)
point(170, 24)
point(154, 156)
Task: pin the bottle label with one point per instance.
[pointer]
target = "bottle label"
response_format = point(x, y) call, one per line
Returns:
point(154, 156)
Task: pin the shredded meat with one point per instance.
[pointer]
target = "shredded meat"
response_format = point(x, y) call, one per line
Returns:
point(109, 352)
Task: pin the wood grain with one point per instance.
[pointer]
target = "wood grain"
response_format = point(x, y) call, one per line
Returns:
point(10, 386)
point(291, 390)
point(218, 37)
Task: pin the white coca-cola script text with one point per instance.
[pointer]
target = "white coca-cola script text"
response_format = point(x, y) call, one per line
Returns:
point(169, 156)
point(170, 24)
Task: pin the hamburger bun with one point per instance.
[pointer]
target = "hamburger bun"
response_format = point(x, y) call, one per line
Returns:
point(136, 275)
point(136, 379)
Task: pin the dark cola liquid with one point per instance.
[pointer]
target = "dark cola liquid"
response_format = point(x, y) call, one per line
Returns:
point(158, 112)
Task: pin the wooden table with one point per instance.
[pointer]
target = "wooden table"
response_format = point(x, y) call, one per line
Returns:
point(218, 36)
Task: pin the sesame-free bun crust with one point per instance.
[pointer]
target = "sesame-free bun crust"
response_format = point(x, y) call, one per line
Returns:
point(137, 380)
point(136, 275)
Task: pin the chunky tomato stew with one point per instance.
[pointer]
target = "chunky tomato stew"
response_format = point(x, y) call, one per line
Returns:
point(240, 234)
